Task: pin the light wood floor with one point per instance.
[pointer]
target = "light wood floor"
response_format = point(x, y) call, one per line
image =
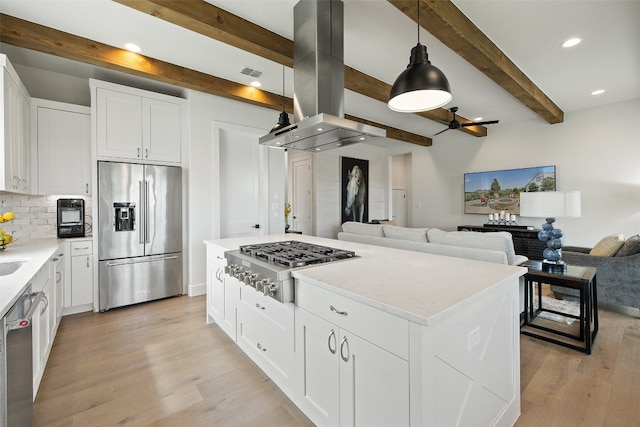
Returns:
point(160, 364)
point(155, 364)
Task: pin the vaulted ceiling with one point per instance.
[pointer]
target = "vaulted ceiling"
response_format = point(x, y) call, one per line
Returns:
point(203, 45)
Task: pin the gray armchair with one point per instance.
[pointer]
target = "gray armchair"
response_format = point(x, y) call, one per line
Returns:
point(618, 278)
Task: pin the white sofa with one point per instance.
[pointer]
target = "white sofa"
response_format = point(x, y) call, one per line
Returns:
point(490, 247)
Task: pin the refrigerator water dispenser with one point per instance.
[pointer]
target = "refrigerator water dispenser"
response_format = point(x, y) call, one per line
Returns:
point(125, 216)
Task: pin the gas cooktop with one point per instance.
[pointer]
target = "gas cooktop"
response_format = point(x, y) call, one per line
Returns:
point(267, 266)
point(294, 254)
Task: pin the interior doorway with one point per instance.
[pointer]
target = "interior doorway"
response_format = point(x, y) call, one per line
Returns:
point(401, 179)
point(399, 206)
point(301, 195)
point(240, 199)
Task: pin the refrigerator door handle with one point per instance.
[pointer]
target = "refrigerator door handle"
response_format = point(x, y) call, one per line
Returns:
point(146, 211)
point(116, 264)
point(142, 225)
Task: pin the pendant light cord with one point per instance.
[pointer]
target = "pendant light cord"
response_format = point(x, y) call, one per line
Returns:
point(283, 88)
point(418, 2)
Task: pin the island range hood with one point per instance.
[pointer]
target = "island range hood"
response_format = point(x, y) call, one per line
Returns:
point(318, 74)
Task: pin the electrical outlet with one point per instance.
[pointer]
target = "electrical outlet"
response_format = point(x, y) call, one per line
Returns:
point(474, 338)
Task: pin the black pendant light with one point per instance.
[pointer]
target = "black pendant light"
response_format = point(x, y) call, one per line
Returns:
point(283, 120)
point(421, 87)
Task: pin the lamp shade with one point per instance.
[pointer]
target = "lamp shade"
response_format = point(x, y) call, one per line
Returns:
point(556, 204)
point(421, 86)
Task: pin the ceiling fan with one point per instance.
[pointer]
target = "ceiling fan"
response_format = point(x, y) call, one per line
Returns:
point(454, 124)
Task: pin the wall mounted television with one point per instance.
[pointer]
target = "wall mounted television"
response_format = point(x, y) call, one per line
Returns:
point(494, 191)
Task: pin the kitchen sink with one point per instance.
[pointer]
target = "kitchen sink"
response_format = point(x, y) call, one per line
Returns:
point(10, 267)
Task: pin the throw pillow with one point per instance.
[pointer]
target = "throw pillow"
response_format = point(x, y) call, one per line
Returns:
point(405, 233)
point(435, 235)
point(630, 247)
point(353, 227)
point(608, 246)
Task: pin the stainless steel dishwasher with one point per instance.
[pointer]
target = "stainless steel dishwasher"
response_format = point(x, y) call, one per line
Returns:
point(16, 361)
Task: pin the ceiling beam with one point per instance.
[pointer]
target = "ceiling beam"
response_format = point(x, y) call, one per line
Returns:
point(448, 24)
point(211, 21)
point(36, 37)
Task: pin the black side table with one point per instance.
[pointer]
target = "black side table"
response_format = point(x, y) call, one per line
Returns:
point(575, 277)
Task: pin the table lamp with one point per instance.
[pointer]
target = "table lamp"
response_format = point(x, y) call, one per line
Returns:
point(549, 205)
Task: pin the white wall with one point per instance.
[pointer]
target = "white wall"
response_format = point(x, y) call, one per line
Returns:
point(327, 185)
point(596, 151)
point(203, 179)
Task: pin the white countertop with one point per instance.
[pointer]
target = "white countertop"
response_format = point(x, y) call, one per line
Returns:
point(417, 286)
point(36, 253)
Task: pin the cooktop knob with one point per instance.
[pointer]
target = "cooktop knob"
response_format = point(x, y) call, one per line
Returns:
point(265, 287)
point(250, 278)
point(260, 284)
point(270, 289)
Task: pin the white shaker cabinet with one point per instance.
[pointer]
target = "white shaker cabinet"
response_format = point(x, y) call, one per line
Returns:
point(357, 377)
point(14, 130)
point(137, 125)
point(78, 296)
point(63, 138)
point(56, 299)
point(223, 293)
point(41, 333)
point(215, 284)
point(266, 334)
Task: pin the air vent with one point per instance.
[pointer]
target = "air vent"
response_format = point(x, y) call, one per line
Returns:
point(250, 72)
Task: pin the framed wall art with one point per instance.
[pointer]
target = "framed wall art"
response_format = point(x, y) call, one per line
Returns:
point(494, 191)
point(354, 183)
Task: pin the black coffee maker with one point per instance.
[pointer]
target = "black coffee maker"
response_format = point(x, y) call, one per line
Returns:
point(70, 218)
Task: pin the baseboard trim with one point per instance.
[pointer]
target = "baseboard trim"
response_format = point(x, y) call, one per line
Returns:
point(197, 289)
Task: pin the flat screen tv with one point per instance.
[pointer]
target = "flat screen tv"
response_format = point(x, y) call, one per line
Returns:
point(494, 191)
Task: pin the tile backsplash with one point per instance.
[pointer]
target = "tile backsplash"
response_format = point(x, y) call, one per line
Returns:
point(35, 215)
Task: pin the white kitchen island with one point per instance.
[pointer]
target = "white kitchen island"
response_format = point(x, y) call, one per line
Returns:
point(391, 337)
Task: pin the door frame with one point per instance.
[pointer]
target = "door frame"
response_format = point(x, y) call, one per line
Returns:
point(298, 156)
point(263, 184)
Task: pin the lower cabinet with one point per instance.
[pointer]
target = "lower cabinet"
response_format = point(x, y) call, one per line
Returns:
point(223, 293)
point(344, 380)
point(41, 335)
point(78, 296)
point(46, 318)
point(265, 333)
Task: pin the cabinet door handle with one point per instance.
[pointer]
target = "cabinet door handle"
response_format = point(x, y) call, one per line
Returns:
point(58, 277)
point(86, 188)
point(87, 262)
point(146, 153)
point(260, 307)
point(341, 313)
point(332, 337)
point(344, 343)
point(138, 152)
point(261, 347)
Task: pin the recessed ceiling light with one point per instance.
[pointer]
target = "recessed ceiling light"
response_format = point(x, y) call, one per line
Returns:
point(319, 129)
point(597, 92)
point(132, 47)
point(256, 83)
point(571, 42)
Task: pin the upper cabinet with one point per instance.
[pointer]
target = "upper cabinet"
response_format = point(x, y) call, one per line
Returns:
point(133, 124)
point(62, 134)
point(14, 130)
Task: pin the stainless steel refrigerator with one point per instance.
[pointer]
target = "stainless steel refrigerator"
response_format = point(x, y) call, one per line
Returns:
point(139, 233)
